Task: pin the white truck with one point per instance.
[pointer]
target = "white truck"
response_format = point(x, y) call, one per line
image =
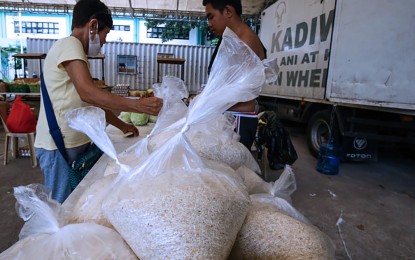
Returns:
point(347, 69)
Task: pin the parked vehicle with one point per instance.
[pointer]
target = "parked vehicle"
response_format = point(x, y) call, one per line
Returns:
point(347, 70)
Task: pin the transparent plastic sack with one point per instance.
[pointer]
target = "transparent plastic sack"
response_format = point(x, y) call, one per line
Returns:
point(273, 228)
point(237, 75)
point(253, 182)
point(268, 233)
point(87, 208)
point(277, 194)
point(172, 90)
point(43, 235)
point(280, 195)
point(37, 208)
point(91, 121)
point(174, 205)
point(215, 140)
point(285, 185)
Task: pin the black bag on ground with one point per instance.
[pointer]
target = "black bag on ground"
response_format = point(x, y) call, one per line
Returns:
point(276, 139)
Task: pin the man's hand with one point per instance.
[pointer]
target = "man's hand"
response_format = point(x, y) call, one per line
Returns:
point(118, 123)
point(130, 129)
point(150, 105)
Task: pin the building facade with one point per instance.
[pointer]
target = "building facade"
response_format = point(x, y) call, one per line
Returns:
point(16, 28)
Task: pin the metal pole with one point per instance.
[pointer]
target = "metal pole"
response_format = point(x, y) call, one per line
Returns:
point(21, 43)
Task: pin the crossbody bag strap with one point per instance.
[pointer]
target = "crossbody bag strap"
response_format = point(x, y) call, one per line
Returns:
point(54, 129)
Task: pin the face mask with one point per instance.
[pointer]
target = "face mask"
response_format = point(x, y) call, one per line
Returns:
point(94, 44)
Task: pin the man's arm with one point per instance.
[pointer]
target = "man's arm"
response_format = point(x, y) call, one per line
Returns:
point(248, 106)
point(118, 123)
point(79, 73)
point(251, 39)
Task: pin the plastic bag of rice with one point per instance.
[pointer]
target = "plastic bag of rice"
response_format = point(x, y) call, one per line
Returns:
point(172, 90)
point(253, 182)
point(232, 153)
point(86, 203)
point(283, 187)
point(216, 140)
point(268, 233)
point(44, 237)
point(89, 206)
point(277, 194)
point(175, 207)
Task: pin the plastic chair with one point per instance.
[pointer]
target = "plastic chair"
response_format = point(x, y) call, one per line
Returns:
point(12, 138)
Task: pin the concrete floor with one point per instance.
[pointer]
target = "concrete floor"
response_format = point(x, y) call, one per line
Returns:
point(376, 201)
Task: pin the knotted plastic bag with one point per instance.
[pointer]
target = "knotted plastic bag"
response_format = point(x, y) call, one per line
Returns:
point(173, 205)
point(273, 135)
point(216, 140)
point(172, 90)
point(274, 229)
point(253, 182)
point(171, 117)
point(276, 193)
point(91, 121)
point(87, 207)
point(268, 233)
point(176, 207)
point(44, 236)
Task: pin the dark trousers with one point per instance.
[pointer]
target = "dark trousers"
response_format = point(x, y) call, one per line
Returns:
point(247, 130)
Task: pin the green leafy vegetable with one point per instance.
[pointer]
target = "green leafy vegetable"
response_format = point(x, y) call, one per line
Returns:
point(152, 119)
point(126, 117)
point(139, 118)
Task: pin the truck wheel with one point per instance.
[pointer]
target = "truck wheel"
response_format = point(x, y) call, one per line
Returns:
point(318, 131)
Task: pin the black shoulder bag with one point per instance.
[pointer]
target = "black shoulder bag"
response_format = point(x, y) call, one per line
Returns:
point(79, 168)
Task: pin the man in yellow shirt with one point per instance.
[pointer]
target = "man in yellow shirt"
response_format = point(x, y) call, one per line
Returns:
point(70, 85)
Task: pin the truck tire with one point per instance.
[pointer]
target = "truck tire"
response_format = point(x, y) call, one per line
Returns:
point(318, 131)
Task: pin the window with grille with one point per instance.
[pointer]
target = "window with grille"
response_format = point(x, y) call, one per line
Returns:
point(156, 32)
point(125, 28)
point(37, 27)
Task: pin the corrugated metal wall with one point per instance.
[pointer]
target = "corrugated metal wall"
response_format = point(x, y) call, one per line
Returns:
point(195, 67)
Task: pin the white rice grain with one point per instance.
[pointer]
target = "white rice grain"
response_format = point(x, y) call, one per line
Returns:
point(181, 220)
point(269, 234)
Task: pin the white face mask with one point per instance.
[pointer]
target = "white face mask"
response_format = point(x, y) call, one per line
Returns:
point(94, 44)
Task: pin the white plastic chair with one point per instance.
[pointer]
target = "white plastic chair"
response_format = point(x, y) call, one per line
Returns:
point(11, 139)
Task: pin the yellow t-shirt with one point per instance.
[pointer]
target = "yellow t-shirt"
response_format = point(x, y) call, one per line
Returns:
point(62, 93)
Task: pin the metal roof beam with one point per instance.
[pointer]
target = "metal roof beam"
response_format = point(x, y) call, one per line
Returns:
point(117, 11)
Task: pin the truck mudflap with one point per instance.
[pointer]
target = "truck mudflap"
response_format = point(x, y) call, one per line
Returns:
point(358, 148)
